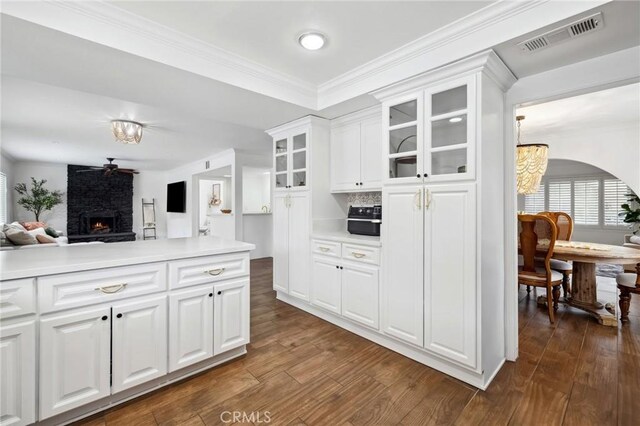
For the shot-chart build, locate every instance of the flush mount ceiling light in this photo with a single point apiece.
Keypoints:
(531, 164)
(125, 131)
(312, 40)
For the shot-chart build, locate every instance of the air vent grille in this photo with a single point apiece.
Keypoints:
(586, 25)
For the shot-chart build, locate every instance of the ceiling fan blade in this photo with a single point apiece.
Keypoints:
(92, 169)
(128, 171)
(107, 172)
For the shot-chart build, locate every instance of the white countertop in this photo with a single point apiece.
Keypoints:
(346, 237)
(71, 258)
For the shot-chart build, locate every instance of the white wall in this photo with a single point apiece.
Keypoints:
(7, 167)
(56, 176)
(150, 185)
(258, 230)
(256, 189)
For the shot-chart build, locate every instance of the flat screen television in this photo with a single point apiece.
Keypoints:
(177, 197)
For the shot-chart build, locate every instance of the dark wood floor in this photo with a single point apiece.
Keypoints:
(302, 370)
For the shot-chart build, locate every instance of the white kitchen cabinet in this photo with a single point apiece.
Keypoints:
(299, 244)
(231, 315)
(403, 291)
(290, 158)
(18, 372)
(280, 214)
(190, 326)
(74, 359)
(355, 152)
(326, 289)
(139, 348)
(450, 272)
(360, 293)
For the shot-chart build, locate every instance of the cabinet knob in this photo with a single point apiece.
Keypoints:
(337, 267)
(426, 175)
(219, 292)
(104, 318)
(418, 175)
(341, 267)
(360, 183)
(119, 316)
(210, 294)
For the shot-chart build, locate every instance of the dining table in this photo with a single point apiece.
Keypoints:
(584, 257)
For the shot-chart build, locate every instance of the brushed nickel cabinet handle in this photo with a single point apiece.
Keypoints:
(324, 249)
(110, 289)
(214, 271)
(357, 255)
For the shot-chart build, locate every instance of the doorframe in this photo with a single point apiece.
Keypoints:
(604, 72)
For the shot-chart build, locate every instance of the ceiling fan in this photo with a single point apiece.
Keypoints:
(109, 169)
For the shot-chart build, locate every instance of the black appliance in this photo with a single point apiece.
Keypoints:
(364, 220)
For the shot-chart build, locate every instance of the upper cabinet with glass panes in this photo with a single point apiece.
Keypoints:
(292, 152)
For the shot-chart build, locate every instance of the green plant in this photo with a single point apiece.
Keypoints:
(631, 211)
(39, 199)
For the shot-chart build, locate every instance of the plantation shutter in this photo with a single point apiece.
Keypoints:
(534, 203)
(560, 196)
(614, 196)
(586, 202)
(4, 209)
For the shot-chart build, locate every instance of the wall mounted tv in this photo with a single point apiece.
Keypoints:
(177, 197)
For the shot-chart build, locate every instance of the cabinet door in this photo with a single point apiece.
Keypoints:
(299, 245)
(450, 272)
(360, 294)
(139, 342)
(345, 158)
(450, 130)
(325, 291)
(190, 327)
(231, 315)
(18, 370)
(402, 285)
(74, 360)
(370, 149)
(280, 214)
(281, 163)
(299, 160)
(403, 139)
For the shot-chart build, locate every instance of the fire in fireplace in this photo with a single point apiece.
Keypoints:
(101, 225)
(99, 222)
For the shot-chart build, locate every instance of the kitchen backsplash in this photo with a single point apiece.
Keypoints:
(364, 198)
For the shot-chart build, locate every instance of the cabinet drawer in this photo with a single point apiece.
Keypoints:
(66, 291)
(326, 248)
(17, 297)
(201, 270)
(363, 254)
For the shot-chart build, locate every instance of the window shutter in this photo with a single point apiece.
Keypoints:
(4, 210)
(586, 202)
(560, 196)
(614, 196)
(534, 203)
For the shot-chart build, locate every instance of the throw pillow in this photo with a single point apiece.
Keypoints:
(17, 225)
(30, 226)
(45, 239)
(51, 232)
(20, 237)
(3, 238)
(635, 239)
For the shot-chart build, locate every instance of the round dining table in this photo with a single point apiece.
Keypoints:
(584, 257)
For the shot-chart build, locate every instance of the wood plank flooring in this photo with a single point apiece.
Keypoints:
(305, 371)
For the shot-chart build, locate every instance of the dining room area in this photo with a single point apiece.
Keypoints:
(579, 253)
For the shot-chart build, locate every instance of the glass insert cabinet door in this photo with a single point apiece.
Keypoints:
(404, 140)
(450, 130)
(290, 161)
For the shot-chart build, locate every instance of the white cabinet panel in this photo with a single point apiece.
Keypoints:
(402, 291)
(74, 360)
(327, 248)
(281, 242)
(205, 269)
(360, 294)
(450, 272)
(370, 149)
(139, 342)
(18, 372)
(231, 315)
(299, 244)
(17, 297)
(326, 283)
(345, 157)
(190, 327)
(359, 253)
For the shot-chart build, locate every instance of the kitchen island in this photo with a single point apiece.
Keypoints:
(83, 328)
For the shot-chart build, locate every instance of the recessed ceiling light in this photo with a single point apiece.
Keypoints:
(455, 120)
(312, 40)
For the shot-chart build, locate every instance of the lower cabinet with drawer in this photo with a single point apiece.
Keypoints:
(347, 285)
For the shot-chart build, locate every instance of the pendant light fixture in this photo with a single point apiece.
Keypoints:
(125, 131)
(531, 163)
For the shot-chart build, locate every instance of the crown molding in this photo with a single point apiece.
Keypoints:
(306, 121)
(111, 26)
(357, 116)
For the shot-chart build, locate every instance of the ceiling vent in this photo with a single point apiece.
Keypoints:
(586, 25)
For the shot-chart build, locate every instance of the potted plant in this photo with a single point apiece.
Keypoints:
(39, 199)
(631, 212)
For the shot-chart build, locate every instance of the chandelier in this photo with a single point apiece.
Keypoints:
(126, 131)
(531, 163)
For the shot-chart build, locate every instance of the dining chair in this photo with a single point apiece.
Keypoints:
(564, 225)
(627, 283)
(537, 236)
